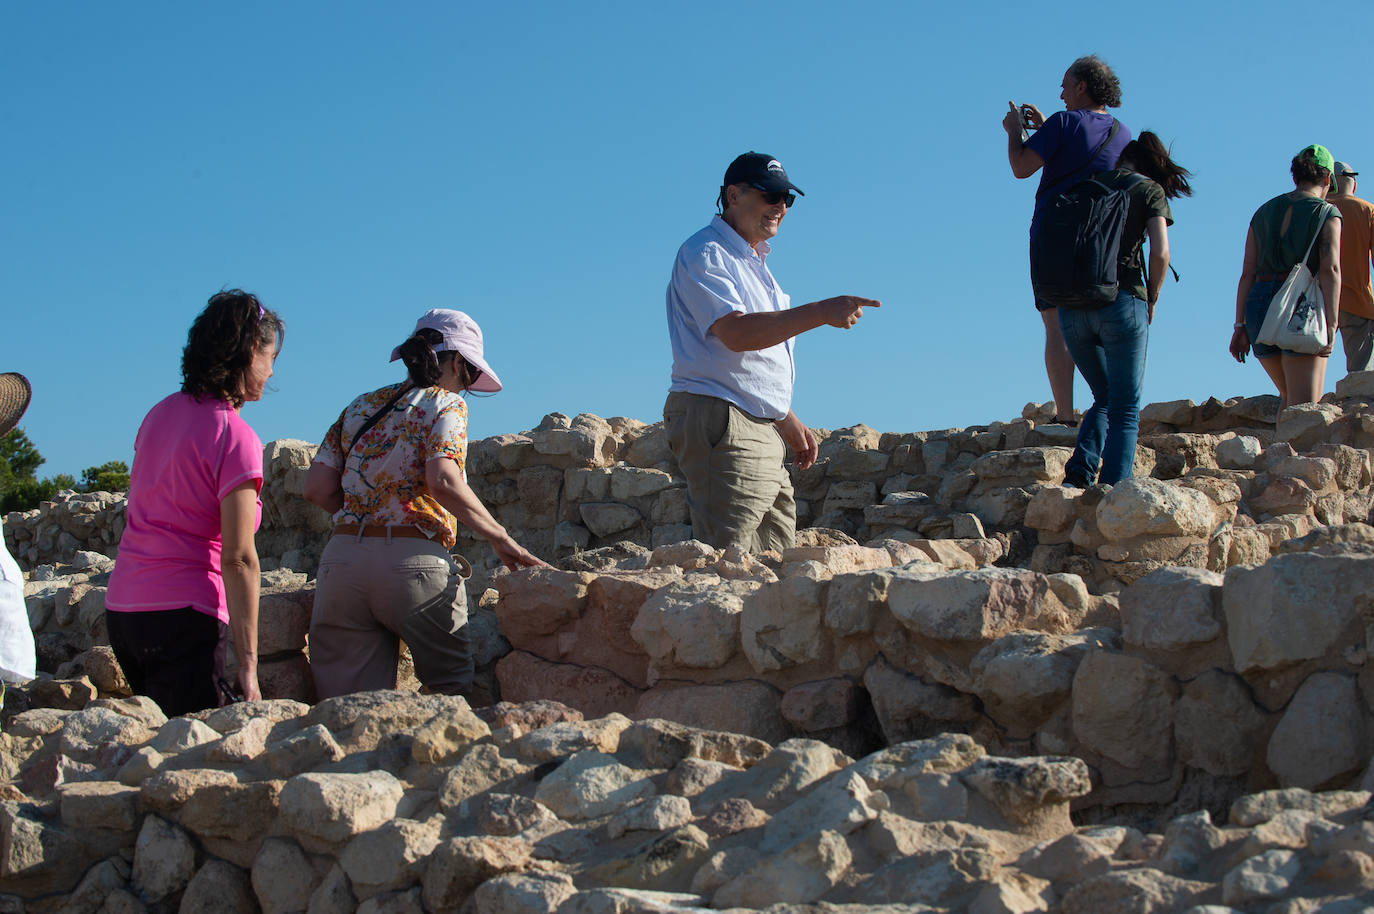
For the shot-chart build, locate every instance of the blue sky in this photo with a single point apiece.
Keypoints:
(538, 164)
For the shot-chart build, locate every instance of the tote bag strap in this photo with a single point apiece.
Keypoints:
(1326, 211)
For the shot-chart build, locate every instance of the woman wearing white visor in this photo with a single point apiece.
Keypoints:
(391, 470)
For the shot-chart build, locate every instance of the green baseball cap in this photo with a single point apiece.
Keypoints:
(1323, 156)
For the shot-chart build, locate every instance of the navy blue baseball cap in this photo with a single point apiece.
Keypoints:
(760, 171)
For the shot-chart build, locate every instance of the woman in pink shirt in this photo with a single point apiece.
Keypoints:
(187, 570)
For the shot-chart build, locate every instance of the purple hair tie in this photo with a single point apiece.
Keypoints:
(262, 312)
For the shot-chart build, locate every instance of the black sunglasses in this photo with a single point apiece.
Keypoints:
(773, 199)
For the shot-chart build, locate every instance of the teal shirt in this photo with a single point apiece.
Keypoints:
(1279, 247)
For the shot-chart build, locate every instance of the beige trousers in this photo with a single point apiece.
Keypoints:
(738, 491)
(373, 592)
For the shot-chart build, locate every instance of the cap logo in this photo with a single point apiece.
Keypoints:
(773, 165)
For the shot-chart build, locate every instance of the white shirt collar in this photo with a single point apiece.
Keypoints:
(735, 240)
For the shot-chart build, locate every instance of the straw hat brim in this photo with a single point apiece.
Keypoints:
(15, 394)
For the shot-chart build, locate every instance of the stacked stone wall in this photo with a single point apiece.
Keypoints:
(574, 485)
(957, 653)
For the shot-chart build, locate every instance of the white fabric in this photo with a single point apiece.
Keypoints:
(717, 272)
(1296, 319)
(17, 660)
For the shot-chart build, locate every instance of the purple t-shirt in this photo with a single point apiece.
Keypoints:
(1065, 141)
(187, 457)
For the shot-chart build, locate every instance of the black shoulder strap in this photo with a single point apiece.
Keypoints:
(377, 417)
(1116, 125)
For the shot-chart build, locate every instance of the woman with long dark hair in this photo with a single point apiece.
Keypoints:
(1109, 344)
(1280, 233)
(187, 570)
(391, 471)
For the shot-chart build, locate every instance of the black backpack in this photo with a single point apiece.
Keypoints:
(1076, 249)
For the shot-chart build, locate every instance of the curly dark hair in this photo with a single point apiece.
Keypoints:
(1103, 86)
(221, 343)
(1147, 155)
(1305, 169)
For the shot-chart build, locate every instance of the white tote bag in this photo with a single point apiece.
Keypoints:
(1296, 319)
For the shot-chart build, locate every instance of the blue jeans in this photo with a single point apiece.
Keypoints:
(1108, 347)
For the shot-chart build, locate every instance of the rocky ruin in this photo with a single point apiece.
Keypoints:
(967, 688)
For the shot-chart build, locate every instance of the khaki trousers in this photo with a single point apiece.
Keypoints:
(738, 491)
(1357, 338)
(373, 592)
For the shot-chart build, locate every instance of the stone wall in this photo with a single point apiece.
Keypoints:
(396, 802)
(1186, 686)
(987, 599)
(573, 485)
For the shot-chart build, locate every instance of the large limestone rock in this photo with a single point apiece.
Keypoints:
(1024, 676)
(1123, 709)
(1321, 737)
(693, 623)
(973, 605)
(1032, 795)
(335, 807)
(1171, 609)
(1217, 726)
(749, 707)
(591, 784)
(780, 625)
(800, 874)
(164, 859)
(1152, 507)
(1295, 607)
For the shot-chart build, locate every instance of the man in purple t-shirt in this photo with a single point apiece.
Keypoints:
(1062, 150)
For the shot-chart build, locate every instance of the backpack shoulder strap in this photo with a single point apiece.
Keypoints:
(1116, 126)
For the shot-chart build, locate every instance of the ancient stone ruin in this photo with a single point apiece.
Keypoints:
(967, 688)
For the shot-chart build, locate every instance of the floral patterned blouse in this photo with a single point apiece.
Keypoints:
(384, 474)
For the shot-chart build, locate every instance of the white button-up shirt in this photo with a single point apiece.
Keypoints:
(717, 272)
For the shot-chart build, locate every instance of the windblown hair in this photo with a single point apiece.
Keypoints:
(425, 366)
(222, 342)
(1305, 169)
(1148, 156)
(1102, 84)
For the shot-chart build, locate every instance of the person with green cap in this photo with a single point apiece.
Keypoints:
(1281, 234)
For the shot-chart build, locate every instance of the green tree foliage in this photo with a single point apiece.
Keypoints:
(18, 457)
(111, 476)
(21, 489)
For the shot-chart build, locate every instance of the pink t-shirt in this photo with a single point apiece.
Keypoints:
(187, 457)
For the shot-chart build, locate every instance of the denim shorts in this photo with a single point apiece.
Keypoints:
(1256, 307)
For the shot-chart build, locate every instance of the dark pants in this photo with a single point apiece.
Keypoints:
(174, 656)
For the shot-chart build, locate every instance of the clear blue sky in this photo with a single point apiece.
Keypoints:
(538, 164)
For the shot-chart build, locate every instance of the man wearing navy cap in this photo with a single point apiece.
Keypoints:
(729, 416)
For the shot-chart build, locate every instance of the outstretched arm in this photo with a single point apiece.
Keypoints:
(446, 484)
(742, 332)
